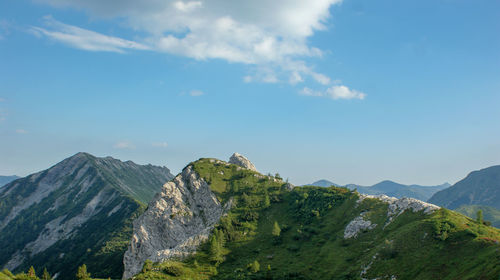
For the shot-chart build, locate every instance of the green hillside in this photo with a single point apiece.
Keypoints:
(274, 233)
(78, 211)
(490, 214)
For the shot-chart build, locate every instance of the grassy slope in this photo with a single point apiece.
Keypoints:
(490, 214)
(444, 245)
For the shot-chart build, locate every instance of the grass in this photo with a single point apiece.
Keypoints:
(443, 245)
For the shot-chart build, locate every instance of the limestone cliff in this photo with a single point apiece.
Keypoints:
(177, 220)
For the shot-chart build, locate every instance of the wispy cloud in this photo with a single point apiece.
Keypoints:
(1, 99)
(271, 37)
(196, 93)
(5, 27)
(160, 144)
(21, 131)
(124, 145)
(84, 39)
(334, 92)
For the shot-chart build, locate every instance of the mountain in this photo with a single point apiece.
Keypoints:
(394, 189)
(323, 183)
(478, 188)
(78, 211)
(391, 188)
(218, 220)
(4, 180)
(489, 213)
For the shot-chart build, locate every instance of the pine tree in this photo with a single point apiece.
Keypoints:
(46, 275)
(32, 273)
(276, 229)
(267, 201)
(82, 273)
(480, 217)
(215, 250)
(255, 266)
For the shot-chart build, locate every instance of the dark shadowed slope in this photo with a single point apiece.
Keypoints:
(478, 188)
(4, 180)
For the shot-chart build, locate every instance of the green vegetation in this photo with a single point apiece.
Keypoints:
(310, 224)
(490, 214)
(273, 233)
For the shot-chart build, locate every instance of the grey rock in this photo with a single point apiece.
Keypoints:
(176, 222)
(357, 225)
(242, 161)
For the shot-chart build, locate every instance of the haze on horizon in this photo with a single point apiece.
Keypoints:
(351, 91)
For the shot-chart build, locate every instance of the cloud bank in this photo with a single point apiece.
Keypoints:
(270, 36)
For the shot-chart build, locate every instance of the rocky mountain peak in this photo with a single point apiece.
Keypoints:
(176, 222)
(242, 161)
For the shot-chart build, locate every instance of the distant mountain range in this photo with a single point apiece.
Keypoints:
(390, 188)
(4, 180)
(78, 211)
(480, 187)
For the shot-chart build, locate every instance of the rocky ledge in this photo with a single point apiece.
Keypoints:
(395, 208)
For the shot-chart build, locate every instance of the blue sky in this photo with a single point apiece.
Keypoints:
(353, 91)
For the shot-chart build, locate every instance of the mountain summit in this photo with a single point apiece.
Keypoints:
(242, 161)
(78, 211)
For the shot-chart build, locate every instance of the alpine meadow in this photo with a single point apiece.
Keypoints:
(239, 140)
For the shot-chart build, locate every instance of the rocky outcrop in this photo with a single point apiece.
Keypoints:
(242, 161)
(395, 208)
(177, 220)
(357, 225)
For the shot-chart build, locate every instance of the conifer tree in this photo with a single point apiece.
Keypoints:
(480, 217)
(255, 266)
(32, 273)
(82, 273)
(215, 249)
(276, 229)
(46, 275)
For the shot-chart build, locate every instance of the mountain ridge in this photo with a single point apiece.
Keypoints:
(480, 187)
(390, 188)
(276, 231)
(80, 209)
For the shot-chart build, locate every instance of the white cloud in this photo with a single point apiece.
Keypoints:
(343, 92)
(260, 33)
(160, 144)
(295, 78)
(334, 92)
(124, 145)
(2, 100)
(196, 93)
(84, 39)
(21, 131)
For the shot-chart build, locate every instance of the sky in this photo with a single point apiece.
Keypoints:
(353, 91)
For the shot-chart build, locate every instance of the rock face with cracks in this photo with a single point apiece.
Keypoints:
(176, 222)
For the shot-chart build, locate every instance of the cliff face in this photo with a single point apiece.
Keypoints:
(177, 220)
(78, 211)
